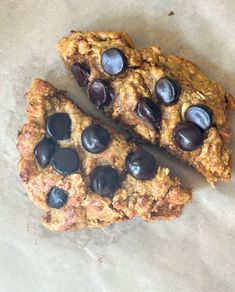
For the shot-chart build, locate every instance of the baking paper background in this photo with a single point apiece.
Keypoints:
(195, 252)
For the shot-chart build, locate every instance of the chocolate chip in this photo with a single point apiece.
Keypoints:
(113, 61)
(65, 161)
(104, 180)
(167, 90)
(44, 150)
(58, 126)
(188, 136)
(141, 164)
(100, 93)
(57, 198)
(199, 114)
(95, 138)
(149, 111)
(81, 72)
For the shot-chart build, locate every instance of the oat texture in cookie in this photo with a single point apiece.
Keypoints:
(163, 99)
(83, 174)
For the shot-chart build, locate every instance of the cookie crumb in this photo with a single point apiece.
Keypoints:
(100, 260)
(171, 13)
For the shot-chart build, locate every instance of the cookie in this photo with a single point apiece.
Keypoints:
(83, 174)
(163, 99)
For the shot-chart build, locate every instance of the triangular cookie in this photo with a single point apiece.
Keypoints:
(85, 175)
(164, 99)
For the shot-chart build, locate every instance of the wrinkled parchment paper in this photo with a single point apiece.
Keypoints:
(195, 252)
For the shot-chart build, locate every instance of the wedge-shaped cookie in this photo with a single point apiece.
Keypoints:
(85, 175)
(164, 99)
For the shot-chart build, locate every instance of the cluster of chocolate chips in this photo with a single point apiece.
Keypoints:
(167, 92)
(63, 160)
(113, 62)
(188, 135)
(104, 180)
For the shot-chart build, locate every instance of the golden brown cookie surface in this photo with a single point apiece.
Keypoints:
(146, 82)
(63, 189)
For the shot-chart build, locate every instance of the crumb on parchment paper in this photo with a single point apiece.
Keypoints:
(171, 13)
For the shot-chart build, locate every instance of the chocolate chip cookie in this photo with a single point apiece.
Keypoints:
(164, 99)
(80, 172)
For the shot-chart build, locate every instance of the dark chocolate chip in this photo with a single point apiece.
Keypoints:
(199, 114)
(167, 90)
(58, 126)
(104, 180)
(65, 161)
(44, 150)
(141, 164)
(188, 136)
(113, 61)
(95, 138)
(100, 93)
(57, 198)
(149, 111)
(81, 72)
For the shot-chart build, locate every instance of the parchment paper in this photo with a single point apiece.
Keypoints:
(195, 252)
